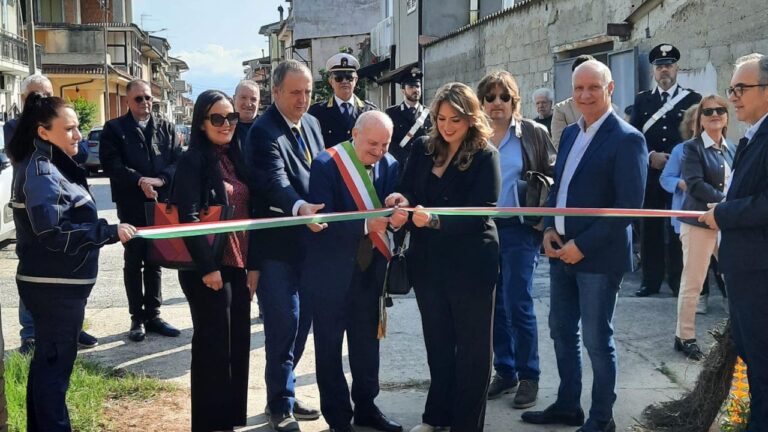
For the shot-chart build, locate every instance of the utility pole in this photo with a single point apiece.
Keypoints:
(105, 6)
(31, 55)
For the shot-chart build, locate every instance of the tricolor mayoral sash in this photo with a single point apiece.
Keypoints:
(360, 187)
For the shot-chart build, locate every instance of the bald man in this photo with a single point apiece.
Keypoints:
(601, 163)
(345, 266)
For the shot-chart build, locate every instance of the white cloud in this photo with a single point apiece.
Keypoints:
(215, 60)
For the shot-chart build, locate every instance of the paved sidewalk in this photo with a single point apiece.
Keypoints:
(650, 371)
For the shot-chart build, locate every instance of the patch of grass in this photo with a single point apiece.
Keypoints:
(90, 387)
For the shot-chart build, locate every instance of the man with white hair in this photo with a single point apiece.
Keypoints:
(601, 163)
(543, 98)
(247, 105)
(353, 175)
(741, 219)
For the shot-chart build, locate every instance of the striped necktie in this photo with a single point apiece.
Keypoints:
(302, 146)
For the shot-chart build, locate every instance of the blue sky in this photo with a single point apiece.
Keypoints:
(214, 38)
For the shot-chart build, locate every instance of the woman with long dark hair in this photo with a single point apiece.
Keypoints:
(454, 260)
(58, 237)
(212, 172)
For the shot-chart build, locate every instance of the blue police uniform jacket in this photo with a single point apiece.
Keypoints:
(58, 232)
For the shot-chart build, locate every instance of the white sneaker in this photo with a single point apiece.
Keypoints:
(703, 306)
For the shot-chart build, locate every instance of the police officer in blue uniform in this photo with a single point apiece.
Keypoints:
(339, 113)
(411, 118)
(657, 114)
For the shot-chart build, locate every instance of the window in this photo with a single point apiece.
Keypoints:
(474, 11)
(50, 11)
(505, 4)
(389, 8)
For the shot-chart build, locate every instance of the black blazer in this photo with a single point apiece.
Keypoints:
(279, 178)
(464, 252)
(127, 153)
(704, 172)
(743, 217)
(199, 182)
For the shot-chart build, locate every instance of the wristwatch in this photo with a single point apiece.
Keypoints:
(434, 221)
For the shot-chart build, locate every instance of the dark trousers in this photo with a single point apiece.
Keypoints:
(588, 299)
(352, 309)
(287, 310)
(220, 349)
(457, 333)
(661, 253)
(515, 333)
(142, 281)
(748, 300)
(58, 311)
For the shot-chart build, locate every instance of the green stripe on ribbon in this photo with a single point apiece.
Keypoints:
(194, 229)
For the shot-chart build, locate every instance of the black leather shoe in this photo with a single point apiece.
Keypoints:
(553, 415)
(159, 326)
(136, 333)
(689, 347)
(377, 420)
(596, 426)
(644, 291)
(344, 428)
(304, 412)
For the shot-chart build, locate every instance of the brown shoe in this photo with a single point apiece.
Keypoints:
(526, 395)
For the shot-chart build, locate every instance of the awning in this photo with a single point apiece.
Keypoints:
(373, 69)
(395, 74)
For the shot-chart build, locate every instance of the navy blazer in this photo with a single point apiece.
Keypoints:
(331, 259)
(279, 176)
(611, 174)
(743, 217)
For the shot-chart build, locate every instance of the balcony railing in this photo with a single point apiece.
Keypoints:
(14, 49)
(382, 37)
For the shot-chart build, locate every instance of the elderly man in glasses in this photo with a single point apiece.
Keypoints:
(139, 152)
(339, 113)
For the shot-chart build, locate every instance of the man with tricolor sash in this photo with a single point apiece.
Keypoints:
(345, 265)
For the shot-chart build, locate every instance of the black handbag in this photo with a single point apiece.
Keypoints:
(396, 279)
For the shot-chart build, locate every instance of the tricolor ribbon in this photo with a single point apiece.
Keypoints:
(205, 228)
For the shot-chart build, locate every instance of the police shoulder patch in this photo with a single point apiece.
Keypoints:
(43, 166)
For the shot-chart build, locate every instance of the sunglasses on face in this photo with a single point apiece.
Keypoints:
(708, 112)
(140, 99)
(343, 77)
(218, 119)
(505, 97)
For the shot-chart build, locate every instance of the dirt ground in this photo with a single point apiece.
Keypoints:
(168, 412)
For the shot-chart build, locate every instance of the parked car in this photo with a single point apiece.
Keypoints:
(7, 227)
(93, 164)
(182, 134)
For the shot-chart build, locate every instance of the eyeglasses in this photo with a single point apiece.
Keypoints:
(738, 89)
(505, 97)
(140, 99)
(708, 112)
(218, 119)
(338, 77)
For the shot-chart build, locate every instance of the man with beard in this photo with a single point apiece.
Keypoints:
(657, 114)
(339, 113)
(247, 105)
(411, 118)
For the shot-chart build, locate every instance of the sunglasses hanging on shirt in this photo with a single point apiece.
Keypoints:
(218, 119)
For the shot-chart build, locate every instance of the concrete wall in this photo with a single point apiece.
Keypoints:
(488, 7)
(406, 34)
(527, 40)
(324, 48)
(442, 17)
(328, 18)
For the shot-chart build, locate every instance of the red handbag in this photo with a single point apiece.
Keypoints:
(172, 253)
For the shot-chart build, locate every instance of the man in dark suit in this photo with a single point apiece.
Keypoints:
(410, 118)
(601, 164)
(742, 219)
(339, 113)
(346, 292)
(280, 148)
(657, 114)
(138, 152)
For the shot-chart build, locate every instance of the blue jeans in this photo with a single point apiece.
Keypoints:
(515, 333)
(591, 299)
(287, 319)
(27, 323)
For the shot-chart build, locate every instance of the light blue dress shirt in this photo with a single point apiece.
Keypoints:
(574, 158)
(670, 177)
(511, 164)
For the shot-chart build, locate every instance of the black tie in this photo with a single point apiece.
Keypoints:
(347, 112)
(664, 96)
